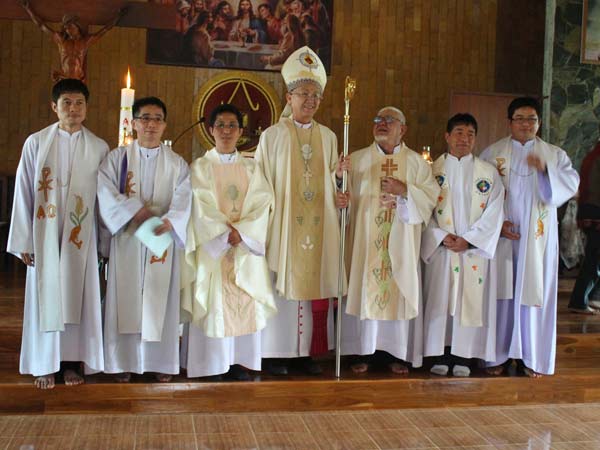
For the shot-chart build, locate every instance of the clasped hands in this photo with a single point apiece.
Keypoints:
(455, 243)
(508, 231)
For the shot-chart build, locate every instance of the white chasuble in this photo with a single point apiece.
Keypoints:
(296, 177)
(471, 269)
(390, 270)
(298, 329)
(61, 263)
(230, 294)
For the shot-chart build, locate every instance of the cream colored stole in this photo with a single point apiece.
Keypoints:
(141, 304)
(306, 236)
(382, 290)
(537, 237)
(472, 268)
(61, 268)
(239, 312)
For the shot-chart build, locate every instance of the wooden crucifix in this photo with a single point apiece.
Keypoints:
(72, 39)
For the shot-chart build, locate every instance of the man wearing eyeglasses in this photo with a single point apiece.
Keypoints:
(538, 178)
(393, 194)
(54, 230)
(145, 180)
(299, 159)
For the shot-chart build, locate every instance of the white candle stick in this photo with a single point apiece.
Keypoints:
(125, 116)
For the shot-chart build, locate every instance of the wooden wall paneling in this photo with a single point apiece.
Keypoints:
(489, 110)
(409, 53)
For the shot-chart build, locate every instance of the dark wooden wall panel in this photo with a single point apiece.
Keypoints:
(407, 53)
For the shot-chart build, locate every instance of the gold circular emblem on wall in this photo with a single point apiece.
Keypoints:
(252, 95)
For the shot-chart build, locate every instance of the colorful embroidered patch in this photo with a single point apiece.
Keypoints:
(440, 199)
(130, 184)
(483, 185)
(500, 166)
(480, 280)
(482, 206)
(161, 260)
(77, 217)
(41, 214)
(440, 179)
(308, 60)
(474, 267)
(457, 269)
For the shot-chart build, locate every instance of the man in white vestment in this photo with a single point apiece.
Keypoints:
(459, 287)
(538, 178)
(55, 232)
(299, 158)
(145, 180)
(227, 286)
(392, 195)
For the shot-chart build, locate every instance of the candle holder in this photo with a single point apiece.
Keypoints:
(426, 154)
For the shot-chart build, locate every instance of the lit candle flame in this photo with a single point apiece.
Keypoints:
(128, 79)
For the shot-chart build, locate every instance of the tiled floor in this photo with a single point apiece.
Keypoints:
(544, 427)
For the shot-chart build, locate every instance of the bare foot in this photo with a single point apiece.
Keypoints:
(163, 377)
(399, 369)
(494, 371)
(44, 382)
(72, 378)
(532, 373)
(124, 377)
(360, 367)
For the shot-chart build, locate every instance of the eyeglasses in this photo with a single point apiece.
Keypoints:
(222, 125)
(528, 120)
(306, 95)
(147, 119)
(387, 119)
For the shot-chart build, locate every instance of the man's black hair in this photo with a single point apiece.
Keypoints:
(461, 119)
(226, 108)
(145, 101)
(524, 102)
(69, 85)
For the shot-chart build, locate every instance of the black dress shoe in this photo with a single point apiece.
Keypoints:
(277, 368)
(311, 367)
(238, 373)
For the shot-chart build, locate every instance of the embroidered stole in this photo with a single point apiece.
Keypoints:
(239, 312)
(141, 303)
(471, 268)
(61, 266)
(537, 237)
(382, 290)
(307, 202)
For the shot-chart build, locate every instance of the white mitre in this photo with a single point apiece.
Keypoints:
(301, 66)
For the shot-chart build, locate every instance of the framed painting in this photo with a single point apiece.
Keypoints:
(241, 34)
(590, 32)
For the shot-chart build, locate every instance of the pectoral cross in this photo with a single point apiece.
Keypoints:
(389, 167)
(307, 175)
